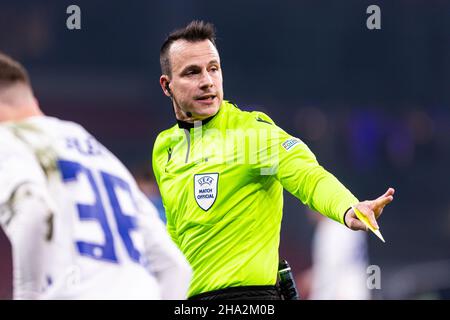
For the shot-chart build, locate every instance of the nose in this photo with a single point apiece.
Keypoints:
(206, 81)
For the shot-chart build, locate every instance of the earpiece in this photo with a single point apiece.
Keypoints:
(168, 89)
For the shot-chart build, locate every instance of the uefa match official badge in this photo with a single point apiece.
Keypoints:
(205, 189)
(290, 143)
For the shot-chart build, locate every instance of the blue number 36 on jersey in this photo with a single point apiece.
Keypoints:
(95, 211)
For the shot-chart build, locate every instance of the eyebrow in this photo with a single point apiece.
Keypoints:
(194, 66)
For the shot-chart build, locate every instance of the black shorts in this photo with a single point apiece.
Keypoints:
(240, 293)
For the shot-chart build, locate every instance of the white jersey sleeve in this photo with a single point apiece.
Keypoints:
(17, 165)
(25, 213)
(165, 260)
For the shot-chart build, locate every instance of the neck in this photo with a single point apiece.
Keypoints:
(30, 112)
(18, 103)
(182, 116)
(18, 113)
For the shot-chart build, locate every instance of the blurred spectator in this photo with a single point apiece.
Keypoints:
(339, 263)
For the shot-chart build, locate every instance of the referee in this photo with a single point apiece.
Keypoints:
(221, 173)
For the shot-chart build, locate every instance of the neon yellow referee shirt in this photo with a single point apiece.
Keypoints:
(221, 183)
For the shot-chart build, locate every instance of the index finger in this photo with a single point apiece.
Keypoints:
(389, 192)
(382, 202)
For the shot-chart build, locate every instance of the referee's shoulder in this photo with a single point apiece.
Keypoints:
(251, 118)
(165, 136)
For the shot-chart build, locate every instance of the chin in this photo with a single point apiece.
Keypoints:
(207, 112)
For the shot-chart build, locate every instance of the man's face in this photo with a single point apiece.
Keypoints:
(196, 81)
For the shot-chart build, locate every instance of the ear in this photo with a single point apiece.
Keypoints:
(164, 81)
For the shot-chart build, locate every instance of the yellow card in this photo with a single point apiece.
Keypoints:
(365, 220)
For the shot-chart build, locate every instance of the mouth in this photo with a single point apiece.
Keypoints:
(206, 98)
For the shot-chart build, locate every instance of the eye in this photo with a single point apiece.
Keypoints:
(190, 72)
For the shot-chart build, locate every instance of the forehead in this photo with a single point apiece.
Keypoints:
(183, 53)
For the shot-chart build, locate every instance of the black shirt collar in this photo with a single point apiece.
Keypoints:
(189, 125)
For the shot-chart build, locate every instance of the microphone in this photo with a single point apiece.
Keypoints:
(189, 114)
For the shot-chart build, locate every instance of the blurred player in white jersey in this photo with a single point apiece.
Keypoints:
(339, 263)
(78, 225)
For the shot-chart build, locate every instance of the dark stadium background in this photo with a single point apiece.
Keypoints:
(374, 106)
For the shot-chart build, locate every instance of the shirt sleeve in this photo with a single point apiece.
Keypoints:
(293, 164)
(18, 165)
(157, 165)
(26, 216)
(157, 155)
(165, 260)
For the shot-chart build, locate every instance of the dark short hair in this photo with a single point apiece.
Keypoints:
(11, 71)
(195, 31)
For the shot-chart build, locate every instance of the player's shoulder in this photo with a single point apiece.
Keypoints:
(56, 126)
(41, 130)
(10, 143)
(18, 163)
(5, 134)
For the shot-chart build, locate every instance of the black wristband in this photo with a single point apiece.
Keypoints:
(346, 211)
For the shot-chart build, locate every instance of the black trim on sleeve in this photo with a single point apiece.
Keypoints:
(346, 211)
(259, 119)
